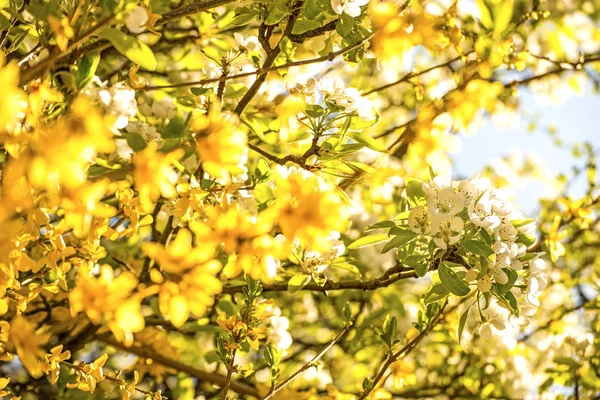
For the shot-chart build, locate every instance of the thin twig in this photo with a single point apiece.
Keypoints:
(308, 364)
(145, 352)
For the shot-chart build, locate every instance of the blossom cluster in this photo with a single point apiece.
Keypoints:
(478, 223)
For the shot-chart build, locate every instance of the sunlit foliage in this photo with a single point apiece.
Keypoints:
(218, 199)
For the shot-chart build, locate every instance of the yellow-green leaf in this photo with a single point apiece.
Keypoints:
(132, 48)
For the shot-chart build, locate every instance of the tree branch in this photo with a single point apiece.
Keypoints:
(328, 57)
(271, 57)
(384, 281)
(238, 387)
(301, 37)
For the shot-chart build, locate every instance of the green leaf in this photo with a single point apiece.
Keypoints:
(199, 91)
(174, 129)
(132, 48)
(369, 241)
(502, 17)
(135, 141)
(452, 282)
(346, 267)
(511, 301)
(314, 110)
(380, 225)
(344, 25)
(275, 16)
(421, 270)
(389, 330)
(525, 239)
(512, 278)
(403, 231)
(235, 90)
(486, 16)
(367, 140)
(414, 192)
(461, 323)
(479, 248)
(297, 282)
(304, 25)
(436, 293)
(86, 69)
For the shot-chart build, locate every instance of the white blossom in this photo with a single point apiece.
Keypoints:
(419, 220)
(446, 230)
(164, 109)
(136, 20)
(481, 214)
(350, 7)
(250, 43)
(303, 85)
(446, 202)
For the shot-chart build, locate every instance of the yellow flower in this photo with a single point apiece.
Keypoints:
(466, 104)
(108, 299)
(89, 375)
(51, 365)
(3, 383)
(308, 208)
(64, 151)
(12, 99)
(554, 238)
(131, 207)
(62, 31)
(258, 258)
(193, 293)
(576, 210)
(179, 255)
(83, 204)
(399, 32)
(130, 387)
(221, 147)
(403, 373)
(29, 344)
(154, 175)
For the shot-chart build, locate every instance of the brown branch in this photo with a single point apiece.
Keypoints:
(120, 382)
(414, 74)
(385, 280)
(194, 8)
(328, 57)
(33, 72)
(238, 387)
(301, 37)
(271, 57)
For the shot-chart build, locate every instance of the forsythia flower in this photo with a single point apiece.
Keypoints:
(557, 249)
(3, 383)
(51, 365)
(308, 208)
(400, 32)
(64, 152)
(179, 255)
(154, 175)
(221, 147)
(28, 344)
(89, 375)
(62, 31)
(11, 101)
(466, 104)
(193, 293)
(108, 299)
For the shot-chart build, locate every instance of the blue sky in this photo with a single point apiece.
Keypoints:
(576, 121)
